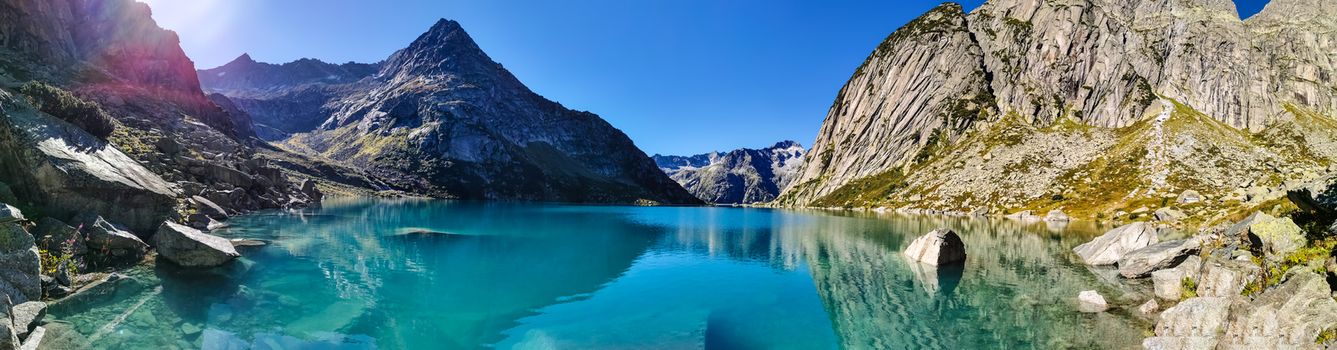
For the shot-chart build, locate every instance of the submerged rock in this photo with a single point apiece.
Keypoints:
(939, 247)
(1142, 262)
(1090, 301)
(1149, 307)
(1111, 246)
(189, 247)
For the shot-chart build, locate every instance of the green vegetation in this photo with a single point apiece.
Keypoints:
(1274, 272)
(937, 141)
(866, 190)
(62, 104)
(1326, 336)
(53, 261)
(1188, 288)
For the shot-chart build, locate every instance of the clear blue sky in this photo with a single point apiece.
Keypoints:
(679, 77)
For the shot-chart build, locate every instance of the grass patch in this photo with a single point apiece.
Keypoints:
(1188, 288)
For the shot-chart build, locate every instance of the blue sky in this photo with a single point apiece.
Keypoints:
(679, 77)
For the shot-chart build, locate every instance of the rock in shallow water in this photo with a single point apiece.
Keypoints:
(189, 247)
(1091, 302)
(939, 247)
(1142, 262)
(1111, 246)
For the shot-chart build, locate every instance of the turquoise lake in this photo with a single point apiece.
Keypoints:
(420, 274)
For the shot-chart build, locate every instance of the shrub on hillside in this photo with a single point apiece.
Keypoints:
(64, 105)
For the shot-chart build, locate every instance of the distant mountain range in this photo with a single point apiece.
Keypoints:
(440, 117)
(740, 176)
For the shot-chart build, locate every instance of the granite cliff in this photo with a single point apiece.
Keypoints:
(1100, 107)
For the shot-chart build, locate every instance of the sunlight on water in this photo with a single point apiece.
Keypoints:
(363, 274)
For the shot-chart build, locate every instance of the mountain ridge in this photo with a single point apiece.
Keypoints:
(741, 176)
(441, 117)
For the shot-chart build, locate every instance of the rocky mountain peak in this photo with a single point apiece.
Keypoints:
(445, 49)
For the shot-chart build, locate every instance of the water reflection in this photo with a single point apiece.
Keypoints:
(430, 274)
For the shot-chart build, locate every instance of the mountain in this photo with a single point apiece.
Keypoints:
(440, 117)
(740, 176)
(1095, 106)
(101, 111)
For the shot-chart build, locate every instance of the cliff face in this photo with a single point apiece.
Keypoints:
(441, 117)
(1111, 65)
(740, 176)
(168, 141)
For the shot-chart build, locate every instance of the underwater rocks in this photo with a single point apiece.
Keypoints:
(189, 247)
(1089, 301)
(939, 247)
(1110, 247)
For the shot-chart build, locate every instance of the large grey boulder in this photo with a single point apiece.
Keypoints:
(110, 243)
(1111, 246)
(1279, 237)
(65, 171)
(209, 208)
(1169, 215)
(939, 247)
(1169, 283)
(20, 266)
(1226, 278)
(1057, 216)
(1189, 197)
(189, 247)
(1195, 323)
(27, 316)
(1142, 262)
(9, 213)
(1289, 316)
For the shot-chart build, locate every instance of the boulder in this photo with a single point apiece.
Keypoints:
(64, 171)
(9, 213)
(27, 316)
(189, 247)
(1090, 301)
(1111, 246)
(54, 236)
(1149, 307)
(1226, 278)
(1289, 316)
(110, 243)
(1057, 216)
(1169, 283)
(309, 188)
(1169, 215)
(938, 247)
(208, 207)
(1279, 237)
(34, 339)
(1142, 262)
(20, 265)
(1194, 323)
(1188, 197)
(1240, 230)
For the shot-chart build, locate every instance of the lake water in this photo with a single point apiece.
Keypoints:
(418, 274)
